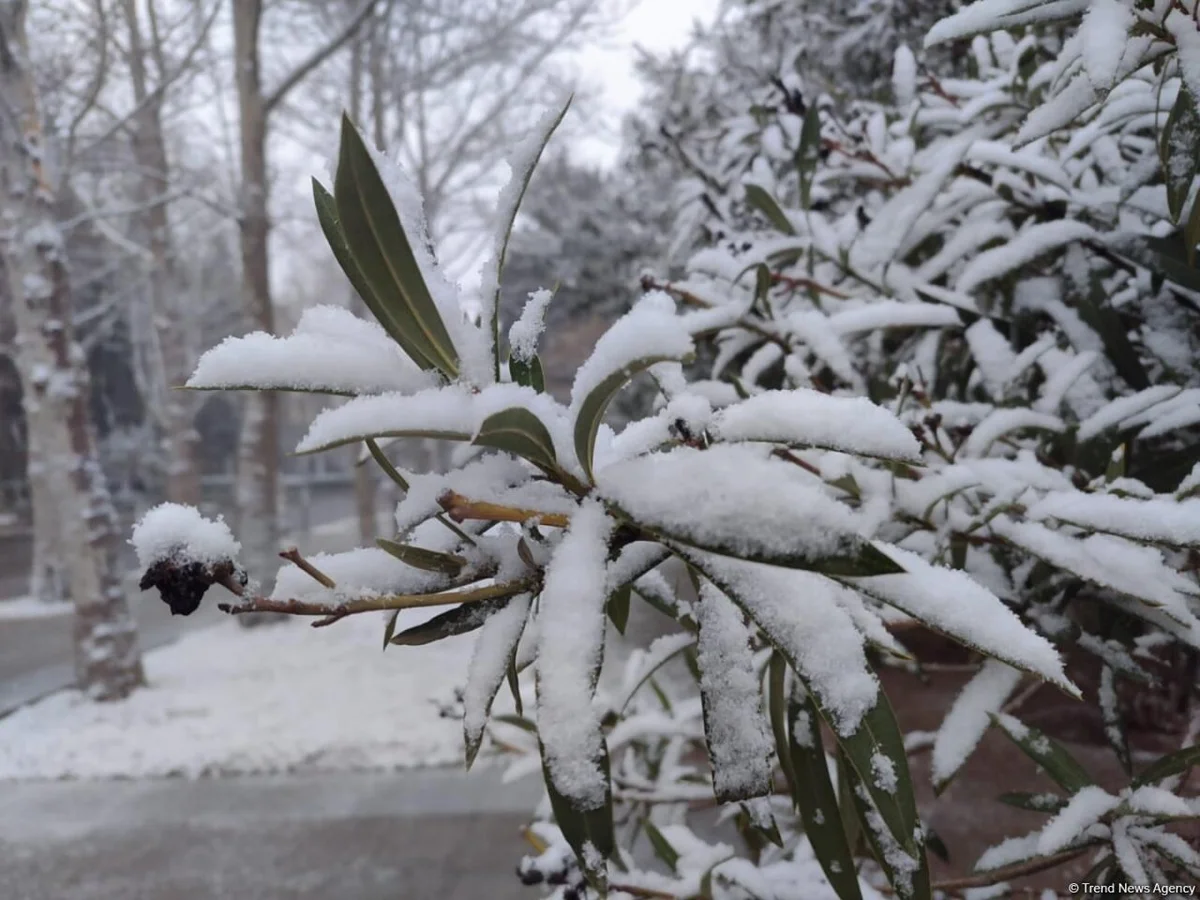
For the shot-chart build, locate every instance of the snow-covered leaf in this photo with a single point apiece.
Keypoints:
(648, 334)
(951, 602)
(495, 649)
(732, 500)
(810, 418)
(1060, 765)
(420, 558)
(816, 799)
(462, 619)
(969, 718)
(375, 238)
(519, 431)
(734, 724)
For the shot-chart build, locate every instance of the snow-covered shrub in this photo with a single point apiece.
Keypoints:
(1006, 262)
(550, 522)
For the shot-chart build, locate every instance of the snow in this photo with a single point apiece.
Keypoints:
(229, 700)
(739, 740)
(651, 330)
(1117, 411)
(494, 650)
(810, 418)
(970, 716)
(175, 531)
(446, 411)
(330, 350)
(951, 602)
(1005, 421)
(570, 646)
(20, 608)
(904, 76)
(524, 333)
(1103, 37)
(1174, 522)
(1105, 560)
(1028, 245)
(729, 497)
(817, 636)
(1087, 807)
(364, 571)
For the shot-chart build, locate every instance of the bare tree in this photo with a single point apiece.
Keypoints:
(54, 378)
(257, 500)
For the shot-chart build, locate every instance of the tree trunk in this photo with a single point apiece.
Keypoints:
(54, 382)
(47, 580)
(365, 482)
(175, 412)
(256, 501)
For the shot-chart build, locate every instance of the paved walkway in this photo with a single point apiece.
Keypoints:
(423, 835)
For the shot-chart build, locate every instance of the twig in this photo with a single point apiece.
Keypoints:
(331, 614)
(1004, 873)
(293, 556)
(806, 284)
(459, 508)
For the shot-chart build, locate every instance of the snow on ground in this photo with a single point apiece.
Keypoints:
(231, 700)
(32, 608)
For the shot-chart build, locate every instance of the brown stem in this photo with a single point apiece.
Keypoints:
(331, 614)
(806, 284)
(293, 556)
(459, 508)
(1005, 873)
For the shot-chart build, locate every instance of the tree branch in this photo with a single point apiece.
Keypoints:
(459, 508)
(332, 613)
(322, 53)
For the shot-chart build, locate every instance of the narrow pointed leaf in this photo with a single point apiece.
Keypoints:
(1167, 766)
(1060, 765)
(494, 657)
(761, 200)
(395, 325)
(591, 411)
(376, 240)
(519, 431)
(1050, 804)
(528, 373)
(777, 710)
(817, 800)
(420, 558)
(459, 620)
(618, 607)
(907, 874)
(511, 204)
(662, 847)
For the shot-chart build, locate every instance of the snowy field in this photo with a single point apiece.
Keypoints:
(31, 608)
(230, 700)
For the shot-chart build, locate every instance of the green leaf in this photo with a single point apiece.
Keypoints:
(808, 154)
(1179, 150)
(390, 629)
(662, 847)
(1107, 324)
(519, 431)
(1168, 766)
(777, 708)
(386, 464)
(458, 620)
(760, 199)
(909, 884)
(581, 827)
(816, 799)
(1163, 256)
(517, 721)
(509, 217)
(393, 323)
(1114, 723)
(1050, 804)
(618, 607)
(591, 411)
(514, 687)
(528, 373)
(420, 558)
(1060, 765)
(876, 738)
(381, 250)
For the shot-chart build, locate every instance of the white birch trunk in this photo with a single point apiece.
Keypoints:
(54, 382)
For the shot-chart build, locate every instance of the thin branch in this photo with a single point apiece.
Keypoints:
(332, 613)
(459, 508)
(1007, 873)
(322, 53)
(293, 556)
